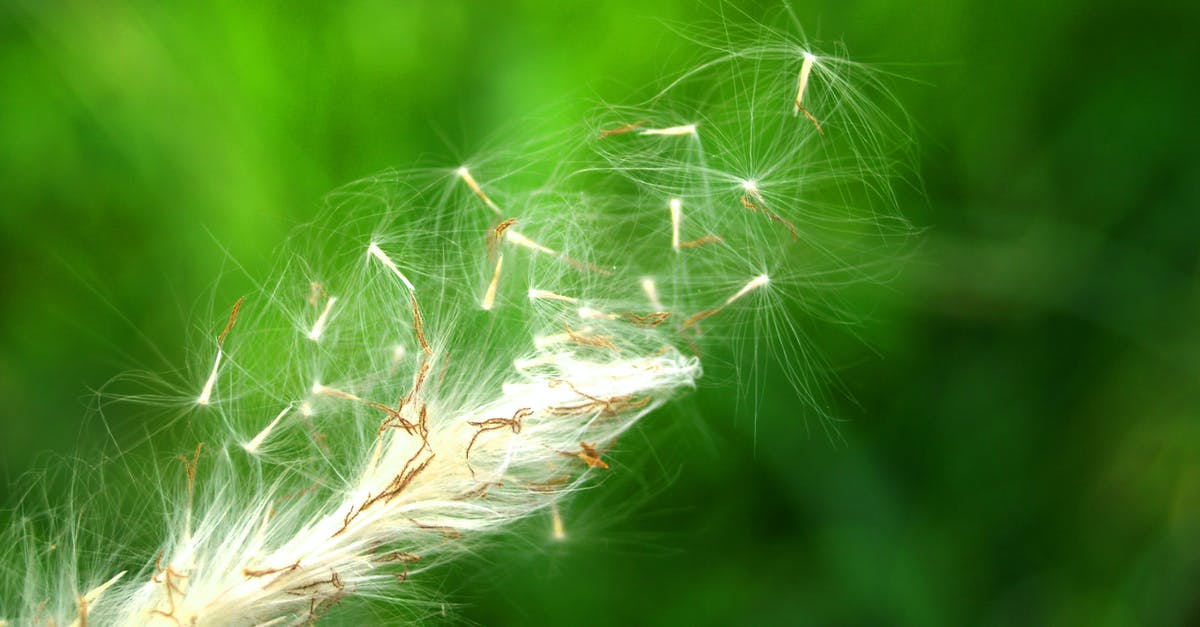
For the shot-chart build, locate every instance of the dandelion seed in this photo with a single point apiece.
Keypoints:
(233, 315)
(377, 252)
(465, 174)
(497, 234)
(651, 291)
(499, 230)
(583, 266)
(648, 321)
(751, 188)
(588, 313)
(211, 382)
(489, 296)
(676, 217)
(583, 339)
(318, 327)
(805, 71)
(672, 131)
(419, 327)
(520, 240)
(316, 293)
(252, 446)
(621, 130)
(190, 469)
(559, 533)
(590, 456)
(543, 341)
(750, 286)
(536, 294)
(707, 239)
(323, 390)
(88, 600)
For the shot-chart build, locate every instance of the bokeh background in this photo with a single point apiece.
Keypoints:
(1021, 420)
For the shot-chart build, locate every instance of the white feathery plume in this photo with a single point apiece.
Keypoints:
(469, 374)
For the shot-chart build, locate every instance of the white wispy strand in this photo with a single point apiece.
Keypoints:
(211, 381)
(318, 327)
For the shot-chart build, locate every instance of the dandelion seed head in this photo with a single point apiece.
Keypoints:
(382, 431)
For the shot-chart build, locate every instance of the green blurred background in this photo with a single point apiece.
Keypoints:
(1022, 429)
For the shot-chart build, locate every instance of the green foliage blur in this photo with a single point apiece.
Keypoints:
(1020, 440)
